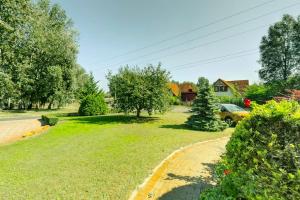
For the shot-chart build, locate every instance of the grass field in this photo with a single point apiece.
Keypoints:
(92, 157)
(8, 114)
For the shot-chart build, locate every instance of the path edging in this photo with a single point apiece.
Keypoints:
(163, 164)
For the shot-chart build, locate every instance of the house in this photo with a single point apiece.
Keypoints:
(230, 88)
(290, 95)
(174, 89)
(188, 92)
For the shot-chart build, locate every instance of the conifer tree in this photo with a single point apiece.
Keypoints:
(205, 109)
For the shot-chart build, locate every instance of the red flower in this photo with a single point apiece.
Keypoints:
(226, 172)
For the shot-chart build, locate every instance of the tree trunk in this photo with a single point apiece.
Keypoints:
(138, 112)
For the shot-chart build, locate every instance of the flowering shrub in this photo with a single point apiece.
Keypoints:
(262, 160)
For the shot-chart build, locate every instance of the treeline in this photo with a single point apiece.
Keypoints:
(38, 50)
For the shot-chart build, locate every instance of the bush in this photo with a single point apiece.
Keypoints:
(233, 100)
(175, 100)
(93, 104)
(262, 156)
(49, 120)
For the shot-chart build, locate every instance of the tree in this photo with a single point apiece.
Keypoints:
(205, 109)
(280, 51)
(6, 90)
(136, 89)
(38, 45)
(260, 93)
(92, 101)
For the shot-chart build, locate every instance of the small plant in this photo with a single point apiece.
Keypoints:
(49, 120)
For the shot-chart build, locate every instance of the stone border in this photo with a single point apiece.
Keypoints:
(159, 169)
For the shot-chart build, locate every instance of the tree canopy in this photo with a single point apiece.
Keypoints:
(280, 51)
(37, 54)
(136, 89)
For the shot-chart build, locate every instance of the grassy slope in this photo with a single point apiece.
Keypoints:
(92, 157)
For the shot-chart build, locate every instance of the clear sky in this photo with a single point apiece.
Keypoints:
(109, 28)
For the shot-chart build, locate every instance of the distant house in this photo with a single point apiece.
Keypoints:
(174, 88)
(230, 88)
(188, 92)
(290, 95)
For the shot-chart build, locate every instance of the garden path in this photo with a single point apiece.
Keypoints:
(184, 174)
(11, 130)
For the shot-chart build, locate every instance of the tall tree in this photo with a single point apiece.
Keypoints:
(280, 54)
(205, 109)
(137, 89)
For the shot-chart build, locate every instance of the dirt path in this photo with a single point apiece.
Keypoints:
(184, 174)
(15, 129)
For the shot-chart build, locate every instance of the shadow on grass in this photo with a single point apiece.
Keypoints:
(114, 119)
(176, 126)
(193, 187)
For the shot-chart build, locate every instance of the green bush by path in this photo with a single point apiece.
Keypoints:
(262, 157)
(93, 104)
(50, 120)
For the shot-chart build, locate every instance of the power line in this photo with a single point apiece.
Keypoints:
(218, 60)
(209, 34)
(190, 31)
(206, 44)
(215, 58)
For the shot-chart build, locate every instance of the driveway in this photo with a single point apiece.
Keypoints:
(13, 129)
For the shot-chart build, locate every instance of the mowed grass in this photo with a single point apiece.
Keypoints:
(93, 157)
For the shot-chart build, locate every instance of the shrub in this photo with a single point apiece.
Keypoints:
(233, 100)
(263, 155)
(93, 104)
(49, 120)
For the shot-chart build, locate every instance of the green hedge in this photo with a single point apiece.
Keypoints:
(50, 120)
(233, 100)
(262, 159)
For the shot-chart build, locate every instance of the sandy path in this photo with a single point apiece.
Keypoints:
(15, 129)
(184, 174)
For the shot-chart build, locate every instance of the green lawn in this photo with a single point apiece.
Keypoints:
(5, 114)
(92, 157)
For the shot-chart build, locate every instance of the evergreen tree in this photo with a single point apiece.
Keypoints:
(205, 109)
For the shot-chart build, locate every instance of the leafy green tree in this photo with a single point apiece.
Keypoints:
(205, 109)
(38, 44)
(260, 93)
(6, 90)
(136, 89)
(280, 54)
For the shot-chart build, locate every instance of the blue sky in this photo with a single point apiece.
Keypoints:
(109, 28)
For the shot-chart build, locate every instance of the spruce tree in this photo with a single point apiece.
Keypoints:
(205, 109)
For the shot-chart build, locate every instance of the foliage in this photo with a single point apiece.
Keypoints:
(93, 104)
(175, 100)
(263, 155)
(232, 100)
(205, 109)
(260, 93)
(280, 54)
(136, 89)
(50, 120)
(38, 53)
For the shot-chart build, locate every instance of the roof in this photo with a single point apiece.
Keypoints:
(174, 89)
(187, 88)
(239, 85)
